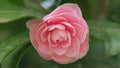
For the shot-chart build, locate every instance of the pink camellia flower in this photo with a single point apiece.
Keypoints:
(62, 35)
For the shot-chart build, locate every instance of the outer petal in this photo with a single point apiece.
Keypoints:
(59, 50)
(44, 47)
(32, 36)
(62, 9)
(83, 48)
(45, 56)
(83, 23)
(32, 23)
(73, 49)
(81, 32)
(61, 58)
(35, 43)
(75, 7)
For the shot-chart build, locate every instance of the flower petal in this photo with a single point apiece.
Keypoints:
(75, 7)
(61, 58)
(81, 32)
(33, 32)
(61, 9)
(67, 43)
(57, 26)
(59, 50)
(44, 47)
(84, 47)
(51, 42)
(54, 20)
(32, 23)
(73, 49)
(45, 56)
(70, 28)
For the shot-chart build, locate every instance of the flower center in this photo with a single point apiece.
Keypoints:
(58, 35)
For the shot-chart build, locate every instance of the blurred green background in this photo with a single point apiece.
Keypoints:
(102, 16)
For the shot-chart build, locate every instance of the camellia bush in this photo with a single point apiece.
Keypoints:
(59, 33)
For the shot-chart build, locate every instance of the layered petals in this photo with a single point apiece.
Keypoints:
(62, 35)
(73, 49)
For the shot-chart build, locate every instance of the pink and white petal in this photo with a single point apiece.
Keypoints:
(44, 33)
(33, 32)
(83, 23)
(57, 26)
(67, 42)
(45, 56)
(61, 9)
(58, 35)
(73, 49)
(59, 50)
(84, 47)
(51, 43)
(75, 7)
(44, 47)
(54, 20)
(81, 32)
(54, 35)
(70, 17)
(62, 59)
(70, 28)
(36, 44)
(62, 33)
(33, 22)
(32, 37)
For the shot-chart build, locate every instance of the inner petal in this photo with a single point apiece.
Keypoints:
(67, 42)
(51, 43)
(44, 32)
(57, 26)
(70, 28)
(58, 35)
(54, 20)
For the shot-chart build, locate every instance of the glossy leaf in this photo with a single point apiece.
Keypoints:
(96, 48)
(114, 44)
(108, 32)
(14, 58)
(14, 9)
(9, 45)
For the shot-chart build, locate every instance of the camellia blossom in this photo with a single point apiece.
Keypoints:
(62, 35)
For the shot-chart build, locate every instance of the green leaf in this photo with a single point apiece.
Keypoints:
(109, 32)
(96, 48)
(14, 9)
(114, 46)
(99, 29)
(14, 58)
(9, 45)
